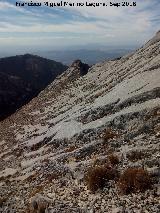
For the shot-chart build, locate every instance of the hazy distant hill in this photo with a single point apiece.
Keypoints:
(22, 77)
(91, 56)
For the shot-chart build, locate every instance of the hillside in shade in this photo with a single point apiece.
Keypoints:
(87, 143)
(22, 78)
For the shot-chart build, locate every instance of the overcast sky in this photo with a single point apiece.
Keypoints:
(44, 27)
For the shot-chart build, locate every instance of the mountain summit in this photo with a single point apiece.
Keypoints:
(83, 68)
(87, 143)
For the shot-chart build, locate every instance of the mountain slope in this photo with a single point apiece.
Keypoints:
(76, 122)
(22, 78)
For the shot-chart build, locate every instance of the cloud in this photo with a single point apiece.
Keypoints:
(6, 5)
(101, 25)
(77, 27)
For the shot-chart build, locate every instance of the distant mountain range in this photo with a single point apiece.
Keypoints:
(22, 78)
(89, 56)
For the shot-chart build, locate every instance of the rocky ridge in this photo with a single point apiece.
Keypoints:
(49, 145)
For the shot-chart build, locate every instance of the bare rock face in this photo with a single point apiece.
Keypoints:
(108, 118)
(76, 70)
(81, 67)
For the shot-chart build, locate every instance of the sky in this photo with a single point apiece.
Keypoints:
(47, 28)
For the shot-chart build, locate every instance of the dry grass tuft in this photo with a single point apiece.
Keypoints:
(53, 176)
(133, 180)
(136, 155)
(114, 160)
(109, 134)
(70, 149)
(97, 177)
(36, 190)
(2, 201)
(38, 206)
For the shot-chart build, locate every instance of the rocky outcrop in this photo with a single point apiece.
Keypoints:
(81, 68)
(76, 70)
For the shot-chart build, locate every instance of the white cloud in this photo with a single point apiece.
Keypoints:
(77, 27)
(126, 24)
(6, 6)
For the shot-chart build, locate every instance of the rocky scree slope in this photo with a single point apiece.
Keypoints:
(77, 122)
(22, 78)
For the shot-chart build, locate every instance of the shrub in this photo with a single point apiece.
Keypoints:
(113, 159)
(42, 209)
(109, 134)
(133, 180)
(136, 155)
(98, 176)
(2, 201)
(36, 190)
(157, 131)
(53, 176)
(38, 204)
(70, 149)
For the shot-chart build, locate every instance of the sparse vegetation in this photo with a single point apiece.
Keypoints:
(2, 201)
(38, 207)
(36, 190)
(18, 152)
(70, 149)
(41, 209)
(5, 178)
(53, 176)
(133, 180)
(98, 176)
(40, 144)
(113, 159)
(32, 177)
(109, 134)
(157, 131)
(136, 155)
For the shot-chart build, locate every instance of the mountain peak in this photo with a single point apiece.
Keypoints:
(81, 67)
(77, 62)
